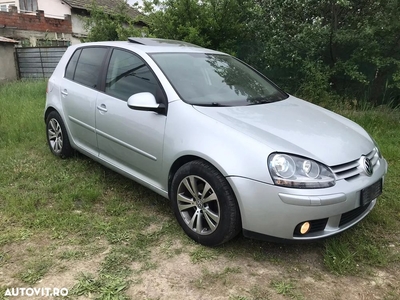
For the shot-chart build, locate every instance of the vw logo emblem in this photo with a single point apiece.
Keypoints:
(367, 166)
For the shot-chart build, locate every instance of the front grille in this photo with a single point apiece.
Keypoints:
(353, 169)
(353, 214)
(316, 225)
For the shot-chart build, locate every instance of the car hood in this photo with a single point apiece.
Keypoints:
(298, 127)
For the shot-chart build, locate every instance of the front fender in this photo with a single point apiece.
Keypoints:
(191, 133)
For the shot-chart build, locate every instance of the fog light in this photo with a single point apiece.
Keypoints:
(305, 227)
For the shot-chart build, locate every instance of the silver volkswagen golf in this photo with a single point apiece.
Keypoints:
(231, 150)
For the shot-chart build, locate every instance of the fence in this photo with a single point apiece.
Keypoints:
(38, 62)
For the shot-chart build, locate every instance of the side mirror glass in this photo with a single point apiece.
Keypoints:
(145, 101)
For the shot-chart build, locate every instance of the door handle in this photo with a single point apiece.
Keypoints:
(102, 107)
(64, 92)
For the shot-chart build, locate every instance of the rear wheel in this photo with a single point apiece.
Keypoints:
(204, 204)
(57, 137)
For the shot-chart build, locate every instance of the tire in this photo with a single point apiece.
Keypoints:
(211, 215)
(57, 137)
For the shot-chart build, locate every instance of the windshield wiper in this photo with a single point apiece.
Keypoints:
(263, 100)
(216, 104)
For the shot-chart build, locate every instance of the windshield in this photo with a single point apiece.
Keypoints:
(216, 80)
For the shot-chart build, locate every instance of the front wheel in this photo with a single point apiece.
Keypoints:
(204, 204)
(57, 137)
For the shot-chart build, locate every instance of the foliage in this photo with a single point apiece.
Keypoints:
(319, 48)
(105, 25)
(314, 48)
(217, 24)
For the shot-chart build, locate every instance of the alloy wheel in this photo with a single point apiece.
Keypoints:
(55, 136)
(198, 205)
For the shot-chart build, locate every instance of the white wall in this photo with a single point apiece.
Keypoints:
(7, 2)
(54, 8)
(78, 29)
(78, 25)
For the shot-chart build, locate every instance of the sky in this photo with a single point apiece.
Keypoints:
(133, 1)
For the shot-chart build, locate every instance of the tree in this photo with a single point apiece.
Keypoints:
(105, 25)
(217, 24)
(320, 49)
(324, 47)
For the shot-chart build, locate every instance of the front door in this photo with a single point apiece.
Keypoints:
(129, 139)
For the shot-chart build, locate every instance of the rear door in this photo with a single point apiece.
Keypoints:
(129, 139)
(79, 90)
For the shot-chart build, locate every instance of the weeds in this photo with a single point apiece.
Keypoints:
(75, 204)
(286, 288)
(35, 271)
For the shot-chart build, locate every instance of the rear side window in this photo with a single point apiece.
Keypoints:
(88, 66)
(70, 71)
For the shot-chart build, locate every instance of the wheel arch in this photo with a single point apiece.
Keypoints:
(184, 159)
(179, 162)
(48, 111)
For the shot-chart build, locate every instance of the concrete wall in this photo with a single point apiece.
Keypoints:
(8, 69)
(33, 36)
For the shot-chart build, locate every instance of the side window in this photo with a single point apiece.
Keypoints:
(128, 74)
(89, 66)
(70, 70)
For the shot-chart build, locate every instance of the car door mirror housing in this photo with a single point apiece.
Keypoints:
(145, 101)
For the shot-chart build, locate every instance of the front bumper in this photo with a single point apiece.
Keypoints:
(273, 211)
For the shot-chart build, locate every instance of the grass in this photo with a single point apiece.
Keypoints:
(105, 287)
(54, 213)
(208, 277)
(286, 288)
(69, 202)
(367, 244)
(35, 271)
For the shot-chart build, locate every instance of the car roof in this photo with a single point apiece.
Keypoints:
(153, 45)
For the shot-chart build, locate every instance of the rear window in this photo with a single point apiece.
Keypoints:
(85, 66)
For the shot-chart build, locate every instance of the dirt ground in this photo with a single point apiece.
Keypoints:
(175, 275)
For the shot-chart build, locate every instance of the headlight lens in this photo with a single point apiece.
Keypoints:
(376, 147)
(283, 165)
(298, 172)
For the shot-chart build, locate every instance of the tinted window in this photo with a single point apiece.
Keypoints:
(128, 74)
(89, 66)
(69, 72)
(214, 79)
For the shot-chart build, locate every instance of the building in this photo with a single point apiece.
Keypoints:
(50, 22)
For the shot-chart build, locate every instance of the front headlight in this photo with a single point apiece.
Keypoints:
(298, 172)
(376, 146)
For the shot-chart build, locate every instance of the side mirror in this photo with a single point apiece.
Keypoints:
(145, 101)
